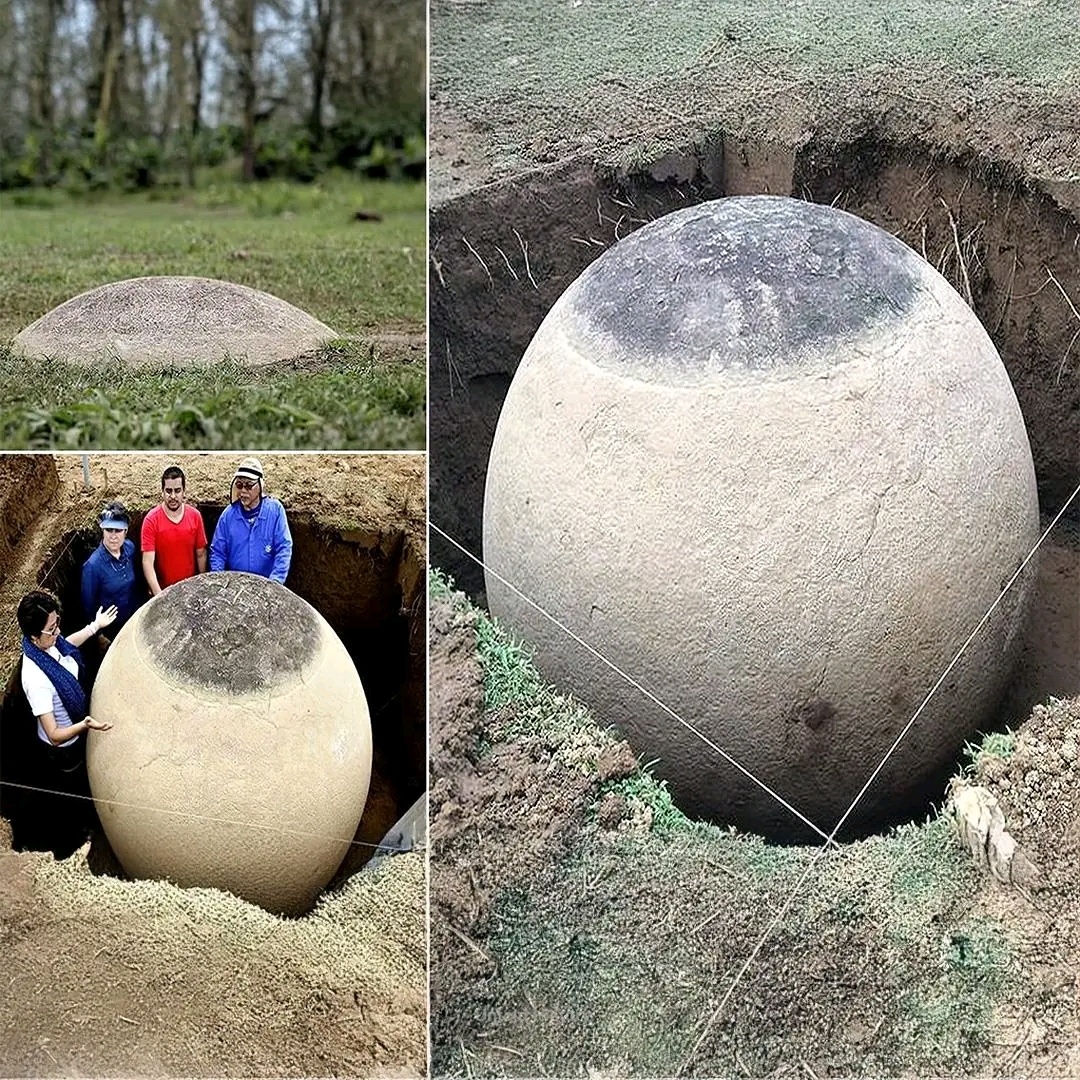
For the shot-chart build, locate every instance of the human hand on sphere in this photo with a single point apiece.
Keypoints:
(106, 616)
(97, 725)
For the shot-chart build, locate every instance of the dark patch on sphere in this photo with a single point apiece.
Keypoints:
(755, 282)
(230, 632)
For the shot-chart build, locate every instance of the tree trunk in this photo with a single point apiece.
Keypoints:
(197, 43)
(321, 28)
(112, 51)
(246, 56)
(42, 104)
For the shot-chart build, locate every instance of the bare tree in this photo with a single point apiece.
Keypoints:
(380, 55)
(239, 19)
(198, 43)
(111, 16)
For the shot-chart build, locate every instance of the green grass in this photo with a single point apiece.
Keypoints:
(535, 51)
(298, 242)
(358, 402)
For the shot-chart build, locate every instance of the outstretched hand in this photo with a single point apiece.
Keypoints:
(97, 725)
(106, 616)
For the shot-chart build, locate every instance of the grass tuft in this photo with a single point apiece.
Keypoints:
(357, 402)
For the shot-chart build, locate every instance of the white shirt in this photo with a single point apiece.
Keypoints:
(42, 694)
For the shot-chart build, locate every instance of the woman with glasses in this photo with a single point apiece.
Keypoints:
(109, 577)
(51, 672)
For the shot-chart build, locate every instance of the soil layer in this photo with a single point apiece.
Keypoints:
(581, 926)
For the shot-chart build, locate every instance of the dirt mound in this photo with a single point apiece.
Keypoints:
(173, 321)
(528, 807)
(144, 978)
(1033, 774)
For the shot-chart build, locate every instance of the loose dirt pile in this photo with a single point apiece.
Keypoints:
(104, 977)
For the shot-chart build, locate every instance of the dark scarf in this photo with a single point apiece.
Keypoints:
(66, 685)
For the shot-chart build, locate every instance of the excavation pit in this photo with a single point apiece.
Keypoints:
(363, 583)
(504, 253)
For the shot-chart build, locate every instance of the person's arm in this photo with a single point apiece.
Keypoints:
(104, 617)
(282, 547)
(39, 694)
(58, 735)
(150, 573)
(149, 544)
(219, 546)
(200, 544)
(88, 589)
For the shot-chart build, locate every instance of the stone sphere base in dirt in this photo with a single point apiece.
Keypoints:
(239, 717)
(766, 460)
(173, 320)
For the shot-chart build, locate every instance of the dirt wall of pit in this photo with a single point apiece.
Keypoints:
(27, 482)
(502, 254)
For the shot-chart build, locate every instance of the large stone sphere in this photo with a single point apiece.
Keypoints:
(239, 718)
(173, 321)
(768, 462)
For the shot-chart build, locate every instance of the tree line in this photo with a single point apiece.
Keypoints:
(101, 93)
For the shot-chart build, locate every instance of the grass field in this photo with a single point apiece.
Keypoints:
(365, 279)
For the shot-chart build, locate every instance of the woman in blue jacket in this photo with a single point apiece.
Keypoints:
(109, 576)
(252, 533)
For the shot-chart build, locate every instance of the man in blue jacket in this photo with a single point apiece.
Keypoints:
(252, 533)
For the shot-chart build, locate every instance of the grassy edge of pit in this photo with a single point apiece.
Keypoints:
(887, 919)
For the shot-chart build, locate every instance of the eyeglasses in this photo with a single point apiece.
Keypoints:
(245, 485)
(54, 632)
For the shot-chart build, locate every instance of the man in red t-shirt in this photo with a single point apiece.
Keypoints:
(173, 536)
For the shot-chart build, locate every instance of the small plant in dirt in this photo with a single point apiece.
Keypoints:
(996, 746)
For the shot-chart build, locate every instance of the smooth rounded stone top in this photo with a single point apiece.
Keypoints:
(173, 320)
(766, 460)
(240, 752)
(760, 283)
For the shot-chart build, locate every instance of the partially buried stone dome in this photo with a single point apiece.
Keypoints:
(240, 753)
(173, 320)
(765, 459)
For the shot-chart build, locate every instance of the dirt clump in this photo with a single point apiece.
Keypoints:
(1034, 777)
